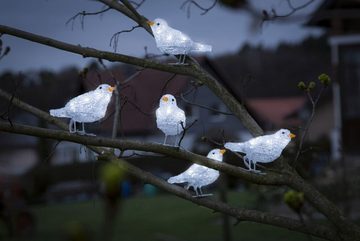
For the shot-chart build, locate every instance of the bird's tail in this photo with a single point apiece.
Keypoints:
(198, 47)
(176, 179)
(58, 112)
(234, 146)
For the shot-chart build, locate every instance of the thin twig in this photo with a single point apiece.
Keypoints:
(114, 40)
(81, 15)
(6, 52)
(52, 151)
(189, 3)
(6, 114)
(185, 129)
(204, 107)
(308, 123)
(137, 5)
(166, 84)
(139, 109)
(266, 16)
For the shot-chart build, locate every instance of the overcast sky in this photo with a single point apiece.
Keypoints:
(226, 30)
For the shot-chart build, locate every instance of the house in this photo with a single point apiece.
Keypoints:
(341, 18)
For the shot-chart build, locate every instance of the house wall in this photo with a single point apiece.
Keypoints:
(323, 122)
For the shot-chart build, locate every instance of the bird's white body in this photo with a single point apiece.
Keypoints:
(172, 41)
(197, 176)
(88, 107)
(262, 149)
(170, 119)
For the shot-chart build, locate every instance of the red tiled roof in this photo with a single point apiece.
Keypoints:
(276, 110)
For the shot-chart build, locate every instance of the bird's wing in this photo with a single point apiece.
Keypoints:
(81, 102)
(179, 36)
(260, 145)
(262, 149)
(189, 175)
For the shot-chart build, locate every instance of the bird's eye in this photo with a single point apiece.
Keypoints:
(172, 100)
(158, 24)
(283, 132)
(100, 87)
(213, 153)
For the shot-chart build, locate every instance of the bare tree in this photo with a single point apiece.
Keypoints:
(335, 227)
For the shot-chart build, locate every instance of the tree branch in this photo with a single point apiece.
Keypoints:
(250, 215)
(141, 20)
(91, 52)
(270, 179)
(190, 70)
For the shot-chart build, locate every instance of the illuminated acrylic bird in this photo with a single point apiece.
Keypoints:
(262, 149)
(172, 41)
(197, 176)
(170, 119)
(88, 107)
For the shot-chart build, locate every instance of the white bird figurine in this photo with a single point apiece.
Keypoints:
(170, 119)
(262, 149)
(88, 107)
(197, 176)
(172, 41)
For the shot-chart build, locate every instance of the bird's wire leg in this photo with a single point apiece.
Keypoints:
(82, 131)
(183, 59)
(255, 170)
(196, 192)
(72, 126)
(205, 195)
(176, 141)
(247, 163)
(165, 140)
(202, 194)
(179, 60)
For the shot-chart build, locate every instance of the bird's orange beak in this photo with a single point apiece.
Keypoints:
(111, 88)
(151, 23)
(222, 151)
(165, 98)
(291, 135)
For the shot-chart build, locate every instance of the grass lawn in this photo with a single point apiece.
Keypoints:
(159, 218)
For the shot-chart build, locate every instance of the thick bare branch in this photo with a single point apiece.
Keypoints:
(243, 214)
(123, 145)
(190, 70)
(91, 52)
